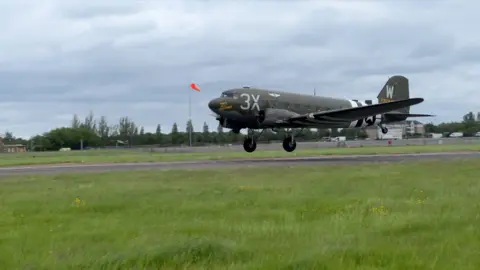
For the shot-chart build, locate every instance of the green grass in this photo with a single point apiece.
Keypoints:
(114, 156)
(422, 215)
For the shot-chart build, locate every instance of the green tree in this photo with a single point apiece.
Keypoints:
(75, 122)
(8, 137)
(174, 134)
(103, 130)
(206, 133)
(72, 137)
(158, 134)
(469, 117)
(89, 122)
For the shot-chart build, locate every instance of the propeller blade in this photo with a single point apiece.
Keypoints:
(217, 117)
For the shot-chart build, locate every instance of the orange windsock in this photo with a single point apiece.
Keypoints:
(195, 87)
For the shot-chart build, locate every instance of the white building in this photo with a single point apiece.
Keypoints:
(413, 127)
(397, 131)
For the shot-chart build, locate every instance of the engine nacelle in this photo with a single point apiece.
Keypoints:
(225, 123)
(271, 116)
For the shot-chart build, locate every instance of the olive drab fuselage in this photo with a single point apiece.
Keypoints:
(242, 106)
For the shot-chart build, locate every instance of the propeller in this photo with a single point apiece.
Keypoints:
(215, 115)
(219, 118)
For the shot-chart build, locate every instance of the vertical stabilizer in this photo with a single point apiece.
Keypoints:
(396, 88)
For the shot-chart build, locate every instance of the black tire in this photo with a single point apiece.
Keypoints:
(288, 144)
(249, 145)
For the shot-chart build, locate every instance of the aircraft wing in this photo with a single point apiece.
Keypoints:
(356, 113)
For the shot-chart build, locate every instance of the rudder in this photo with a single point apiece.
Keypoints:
(396, 88)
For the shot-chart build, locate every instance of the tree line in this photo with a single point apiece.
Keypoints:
(99, 133)
(469, 125)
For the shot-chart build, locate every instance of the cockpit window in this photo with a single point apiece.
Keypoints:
(229, 95)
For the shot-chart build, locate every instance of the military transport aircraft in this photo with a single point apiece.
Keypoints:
(255, 108)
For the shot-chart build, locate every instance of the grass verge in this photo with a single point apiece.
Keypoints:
(114, 156)
(421, 215)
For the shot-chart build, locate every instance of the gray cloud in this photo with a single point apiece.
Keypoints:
(137, 58)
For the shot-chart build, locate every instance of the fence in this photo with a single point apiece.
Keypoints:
(313, 145)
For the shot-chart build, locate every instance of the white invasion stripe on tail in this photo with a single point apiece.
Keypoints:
(353, 103)
(363, 103)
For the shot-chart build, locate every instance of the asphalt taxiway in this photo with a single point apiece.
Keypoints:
(211, 164)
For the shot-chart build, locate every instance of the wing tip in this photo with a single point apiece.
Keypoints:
(419, 99)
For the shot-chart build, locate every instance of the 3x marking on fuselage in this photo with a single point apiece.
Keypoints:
(251, 101)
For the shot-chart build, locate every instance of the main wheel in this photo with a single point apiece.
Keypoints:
(289, 144)
(384, 130)
(249, 145)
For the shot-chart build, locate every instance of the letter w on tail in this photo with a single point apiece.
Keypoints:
(389, 91)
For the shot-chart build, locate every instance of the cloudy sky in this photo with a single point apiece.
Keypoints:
(137, 58)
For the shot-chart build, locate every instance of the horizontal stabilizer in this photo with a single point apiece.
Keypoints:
(406, 115)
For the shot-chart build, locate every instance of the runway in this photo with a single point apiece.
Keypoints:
(212, 164)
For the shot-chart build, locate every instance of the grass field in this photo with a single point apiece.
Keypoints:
(422, 215)
(99, 156)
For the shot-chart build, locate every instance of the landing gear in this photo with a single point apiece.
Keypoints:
(384, 130)
(289, 144)
(250, 142)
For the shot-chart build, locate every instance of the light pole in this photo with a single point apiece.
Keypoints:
(195, 87)
(189, 118)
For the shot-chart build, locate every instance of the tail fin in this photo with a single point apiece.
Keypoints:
(396, 88)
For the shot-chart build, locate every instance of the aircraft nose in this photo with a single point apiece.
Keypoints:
(214, 104)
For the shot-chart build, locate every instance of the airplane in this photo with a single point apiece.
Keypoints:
(256, 108)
